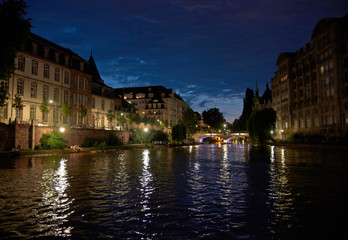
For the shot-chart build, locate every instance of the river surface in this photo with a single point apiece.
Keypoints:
(195, 192)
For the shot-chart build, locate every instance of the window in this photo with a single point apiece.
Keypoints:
(21, 63)
(44, 117)
(66, 62)
(4, 111)
(20, 87)
(86, 84)
(102, 104)
(80, 83)
(46, 71)
(80, 99)
(86, 101)
(19, 113)
(74, 98)
(75, 81)
(34, 48)
(93, 102)
(66, 96)
(45, 92)
(34, 67)
(57, 57)
(33, 90)
(56, 74)
(56, 95)
(82, 66)
(46, 52)
(55, 115)
(66, 78)
(32, 112)
(111, 105)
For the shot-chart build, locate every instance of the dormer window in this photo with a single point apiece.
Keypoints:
(66, 61)
(82, 66)
(57, 57)
(46, 52)
(34, 48)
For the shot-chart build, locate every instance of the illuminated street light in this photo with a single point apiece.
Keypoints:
(61, 129)
(146, 129)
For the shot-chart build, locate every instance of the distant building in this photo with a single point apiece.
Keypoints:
(265, 101)
(156, 102)
(310, 87)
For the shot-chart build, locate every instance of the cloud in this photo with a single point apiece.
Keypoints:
(70, 29)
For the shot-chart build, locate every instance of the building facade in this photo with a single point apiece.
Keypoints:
(155, 102)
(310, 87)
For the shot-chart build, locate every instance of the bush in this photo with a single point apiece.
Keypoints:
(88, 142)
(101, 146)
(113, 140)
(52, 141)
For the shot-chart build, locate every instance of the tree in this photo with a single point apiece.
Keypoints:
(44, 108)
(260, 124)
(110, 116)
(15, 30)
(65, 110)
(214, 118)
(190, 121)
(179, 133)
(18, 104)
(82, 111)
(3, 97)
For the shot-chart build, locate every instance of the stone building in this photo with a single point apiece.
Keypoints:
(156, 102)
(310, 87)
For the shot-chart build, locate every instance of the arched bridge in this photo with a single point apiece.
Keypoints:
(225, 137)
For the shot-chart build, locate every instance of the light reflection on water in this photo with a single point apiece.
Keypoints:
(228, 191)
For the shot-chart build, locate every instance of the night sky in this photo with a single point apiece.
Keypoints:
(208, 51)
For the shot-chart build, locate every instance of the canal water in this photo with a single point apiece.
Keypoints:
(195, 192)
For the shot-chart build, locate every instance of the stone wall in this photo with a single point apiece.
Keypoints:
(28, 136)
(7, 139)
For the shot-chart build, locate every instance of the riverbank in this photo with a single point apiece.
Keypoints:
(308, 145)
(27, 152)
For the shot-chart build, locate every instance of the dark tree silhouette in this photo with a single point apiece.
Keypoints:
(214, 118)
(14, 31)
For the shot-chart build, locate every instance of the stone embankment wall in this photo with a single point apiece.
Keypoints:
(27, 136)
(7, 137)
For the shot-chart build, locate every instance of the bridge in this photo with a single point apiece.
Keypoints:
(225, 137)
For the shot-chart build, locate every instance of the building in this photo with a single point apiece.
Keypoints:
(310, 87)
(53, 86)
(155, 102)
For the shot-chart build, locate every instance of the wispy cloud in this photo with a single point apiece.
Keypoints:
(70, 29)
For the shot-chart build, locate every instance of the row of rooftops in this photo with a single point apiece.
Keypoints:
(68, 58)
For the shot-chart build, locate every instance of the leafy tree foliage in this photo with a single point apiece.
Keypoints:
(179, 133)
(65, 109)
(44, 106)
(82, 111)
(140, 136)
(110, 116)
(214, 118)
(14, 32)
(260, 124)
(190, 121)
(18, 104)
(55, 140)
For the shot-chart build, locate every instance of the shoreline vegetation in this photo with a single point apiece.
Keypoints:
(29, 152)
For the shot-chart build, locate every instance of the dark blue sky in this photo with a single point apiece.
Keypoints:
(208, 51)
